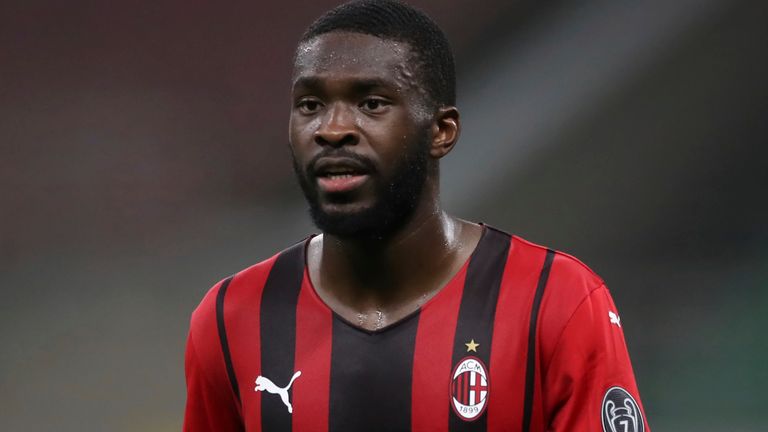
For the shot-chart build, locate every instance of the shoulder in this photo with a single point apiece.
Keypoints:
(567, 277)
(242, 289)
(571, 277)
(570, 286)
(247, 276)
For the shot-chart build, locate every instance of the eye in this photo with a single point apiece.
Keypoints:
(375, 105)
(308, 105)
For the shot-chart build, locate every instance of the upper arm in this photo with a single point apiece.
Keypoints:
(211, 404)
(589, 380)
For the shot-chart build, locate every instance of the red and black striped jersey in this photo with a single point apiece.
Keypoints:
(521, 339)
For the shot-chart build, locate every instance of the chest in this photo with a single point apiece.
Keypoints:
(427, 372)
(459, 363)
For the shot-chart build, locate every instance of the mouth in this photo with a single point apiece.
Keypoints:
(340, 175)
(341, 183)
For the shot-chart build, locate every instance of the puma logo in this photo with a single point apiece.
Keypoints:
(614, 318)
(265, 384)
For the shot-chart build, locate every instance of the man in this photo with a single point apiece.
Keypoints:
(400, 316)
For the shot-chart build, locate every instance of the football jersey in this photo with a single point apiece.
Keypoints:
(522, 338)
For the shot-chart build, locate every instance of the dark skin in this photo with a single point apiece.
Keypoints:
(358, 92)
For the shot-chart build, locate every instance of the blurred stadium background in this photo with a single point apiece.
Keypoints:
(143, 157)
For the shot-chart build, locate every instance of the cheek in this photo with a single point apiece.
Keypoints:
(301, 132)
(397, 147)
(396, 130)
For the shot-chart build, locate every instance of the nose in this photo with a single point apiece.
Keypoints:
(337, 128)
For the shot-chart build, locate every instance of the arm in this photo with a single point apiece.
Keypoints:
(589, 383)
(211, 404)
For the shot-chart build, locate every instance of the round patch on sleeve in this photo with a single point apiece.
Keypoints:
(620, 412)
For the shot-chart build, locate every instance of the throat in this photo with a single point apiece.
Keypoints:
(375, 322)
(375, 319)
(374, 287)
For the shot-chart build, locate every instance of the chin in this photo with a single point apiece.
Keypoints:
(344, 210)
(349, 224)
(359, 221)
(344, 221)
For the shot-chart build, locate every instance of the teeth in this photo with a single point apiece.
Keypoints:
(339, 176)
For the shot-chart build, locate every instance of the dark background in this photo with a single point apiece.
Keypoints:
(143, 157)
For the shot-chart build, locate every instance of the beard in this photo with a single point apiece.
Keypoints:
(396, 196)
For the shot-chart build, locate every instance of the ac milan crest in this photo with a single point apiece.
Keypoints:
(620, 412)
(470, 388)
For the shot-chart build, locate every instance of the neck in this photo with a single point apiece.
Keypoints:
(375, 273)
(377, 283)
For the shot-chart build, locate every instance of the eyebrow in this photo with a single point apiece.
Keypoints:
(358, 85)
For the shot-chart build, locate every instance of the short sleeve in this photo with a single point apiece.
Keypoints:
(589, 384)
(211, 404)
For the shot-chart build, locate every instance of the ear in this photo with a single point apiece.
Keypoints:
(445, 131)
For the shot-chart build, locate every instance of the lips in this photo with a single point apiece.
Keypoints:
(340, 175)
(341, 184)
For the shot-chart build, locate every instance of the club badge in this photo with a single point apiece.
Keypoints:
(620, 412)
(469, 388)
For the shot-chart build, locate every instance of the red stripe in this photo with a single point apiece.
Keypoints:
(456, 389)
(460, 384)
(465, 390)
(310, 391)
(431, 389)
(460, 392)
(242, 318)
(509, 346)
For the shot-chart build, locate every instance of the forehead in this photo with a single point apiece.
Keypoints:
(352, 54)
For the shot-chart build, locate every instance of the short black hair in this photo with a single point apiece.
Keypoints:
(395, 20)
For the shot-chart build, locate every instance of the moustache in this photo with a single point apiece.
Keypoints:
(340, 153)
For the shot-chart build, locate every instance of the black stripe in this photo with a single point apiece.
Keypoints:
(478, 310)
(278, 333)
(530, 368)
(223, 336)
(371, 377)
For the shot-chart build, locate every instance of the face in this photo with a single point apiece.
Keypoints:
(360, 133)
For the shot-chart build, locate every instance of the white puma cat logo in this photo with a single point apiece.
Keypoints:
(265, 384)
(614, 318)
